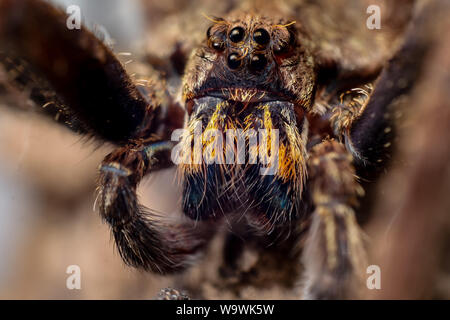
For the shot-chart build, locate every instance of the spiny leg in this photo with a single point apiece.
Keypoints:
(370, 131)
(334, 255)
(143, 239)
(74, 77)
(348, 109)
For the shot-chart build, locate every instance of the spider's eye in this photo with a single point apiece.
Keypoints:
(285, 42)
(261, 36)
(215, 39)
(234, 61)
(258, 62)
(217, 45)
(281, 48)
(237, 34)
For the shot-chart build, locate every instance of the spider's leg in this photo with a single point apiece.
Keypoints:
(94, 93)
(369, 136)
(334, 255)
(144, 239)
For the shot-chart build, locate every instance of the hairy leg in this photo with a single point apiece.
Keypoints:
(75, 78)
(144, 239)
(334, 255)
(369, 130)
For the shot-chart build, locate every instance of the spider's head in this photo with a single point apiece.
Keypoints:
(251, 58)
(250, 73)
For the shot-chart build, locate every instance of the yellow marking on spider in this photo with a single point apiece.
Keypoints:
(211, 19)
(47, 104)
(245, 53)
(357, 254)
(187, 95)
(330, 235)
(265, 146)
(291, 156)
(217, 121)
(284, 25)
(245, 95)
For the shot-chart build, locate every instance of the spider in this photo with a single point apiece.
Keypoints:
(262, 65)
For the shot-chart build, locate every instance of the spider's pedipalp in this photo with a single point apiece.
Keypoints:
(143, 238)
(370, 138)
